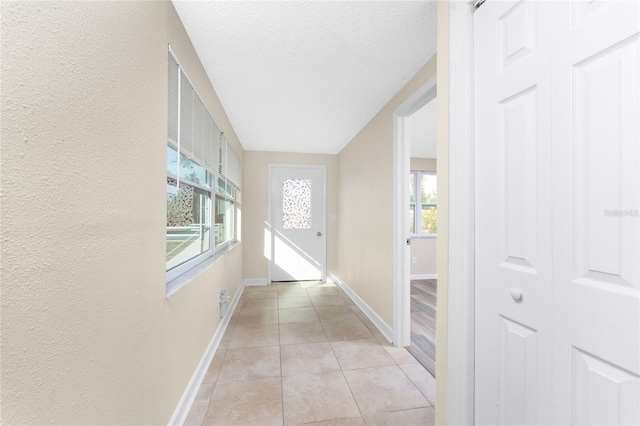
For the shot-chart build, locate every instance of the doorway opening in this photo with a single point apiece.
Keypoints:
(423, 202)
(414, 224)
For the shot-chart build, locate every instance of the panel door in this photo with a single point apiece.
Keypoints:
(513, 218)
(297, 202)
(596, 233)
(557, 212)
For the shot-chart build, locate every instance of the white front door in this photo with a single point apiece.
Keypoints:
(297, 196)
(557, 220)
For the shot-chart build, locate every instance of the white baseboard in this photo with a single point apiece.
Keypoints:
(424, 277)
(382, 326)
(247, 282)
(184, 406)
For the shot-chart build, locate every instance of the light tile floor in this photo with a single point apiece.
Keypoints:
(303, 353)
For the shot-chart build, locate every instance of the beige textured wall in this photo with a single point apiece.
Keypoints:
(423, 249)
(88, 336)
(365, 214)
(255, 196)
(443, 211)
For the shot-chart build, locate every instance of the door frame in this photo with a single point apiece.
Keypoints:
(401, 168)
(268, 226)
(460, 386)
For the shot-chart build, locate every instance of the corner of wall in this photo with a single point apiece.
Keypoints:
(443, 211)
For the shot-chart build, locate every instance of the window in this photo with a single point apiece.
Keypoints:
(203, 177)
(296, 204)
(225, 209)
(422, 203)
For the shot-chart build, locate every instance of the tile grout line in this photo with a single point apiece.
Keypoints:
(344, 377)
(281, 374)
(414, 384)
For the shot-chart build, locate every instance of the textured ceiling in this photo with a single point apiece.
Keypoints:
(307, 76)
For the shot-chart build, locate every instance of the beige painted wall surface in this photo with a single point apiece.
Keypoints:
(255, 214)
(443, 211)
(423, 164)
(88, 336)
(423, 249)
(365, 214)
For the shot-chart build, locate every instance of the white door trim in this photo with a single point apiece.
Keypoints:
(401, 156)
(322, 167)
(461, 280)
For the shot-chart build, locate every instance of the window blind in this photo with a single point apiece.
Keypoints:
(173, 100)
(233, 166)
(199, 137)
(208, 141)
(198, 131)
(186, 116)
(222, 155)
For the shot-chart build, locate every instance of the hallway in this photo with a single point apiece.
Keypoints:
(303, 353)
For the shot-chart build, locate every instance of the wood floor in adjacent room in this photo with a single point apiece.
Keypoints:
(423, 323)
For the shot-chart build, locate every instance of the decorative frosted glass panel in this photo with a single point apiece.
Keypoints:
(188, 222)
(296, 204)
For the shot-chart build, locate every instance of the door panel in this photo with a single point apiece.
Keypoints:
(596, 232)
(599, 384)
(297, 216)
(517, 363)
(513, 219)
(557, 261)
(516, 215)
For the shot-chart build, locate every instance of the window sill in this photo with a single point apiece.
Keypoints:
(422, 237)
(180, 281)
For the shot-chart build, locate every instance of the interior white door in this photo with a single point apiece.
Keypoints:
(513, 219)
(596, 232)
(557, 198)
(297, 223)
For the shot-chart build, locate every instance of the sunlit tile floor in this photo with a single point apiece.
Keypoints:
(303, 353)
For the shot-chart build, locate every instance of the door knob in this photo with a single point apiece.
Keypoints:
(319, 234)
(516, 294)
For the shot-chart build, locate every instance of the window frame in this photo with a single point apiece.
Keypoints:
(416, 176)
(181, 268)
(212, 177)
(232, 199)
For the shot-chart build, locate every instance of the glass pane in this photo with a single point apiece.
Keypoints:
(225, 188)
(296, 204)
(220, 185)
(188, 222)
(412, 190)
(224, 220)
(192, 171)
(428, 189)
(429, 219)
(412, 219)
(172, 161)
(231, 191)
